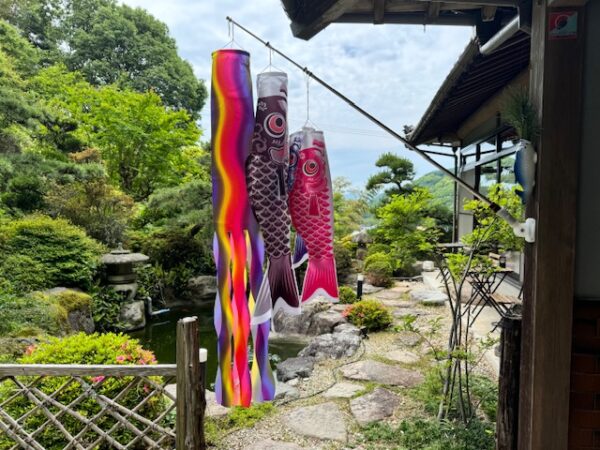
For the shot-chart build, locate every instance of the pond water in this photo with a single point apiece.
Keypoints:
(159, 335)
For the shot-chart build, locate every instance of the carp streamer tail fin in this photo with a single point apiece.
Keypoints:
(320, 279)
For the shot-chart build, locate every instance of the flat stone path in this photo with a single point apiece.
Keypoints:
(269, 444)
(323, 421)
(378, 372)
(343, 390)
(375, 406)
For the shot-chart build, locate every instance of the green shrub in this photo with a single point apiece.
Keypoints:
(31, 315)
(371, 314)
(343, 260)
(106, 307)
(23, 273)
(68, 256)
(347, 295)
(25, 193)
(85, 349)
(96, 206)
(379, 269)
(430, 434)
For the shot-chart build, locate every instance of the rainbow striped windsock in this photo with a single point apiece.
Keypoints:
(238, 247)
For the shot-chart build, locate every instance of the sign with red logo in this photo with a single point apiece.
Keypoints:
(562, 25)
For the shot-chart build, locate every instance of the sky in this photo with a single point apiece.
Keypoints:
(392, 71)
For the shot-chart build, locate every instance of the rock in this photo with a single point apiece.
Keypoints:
(294, 382)
(428, 266)
(408, 338)
(284, 390)
(378, 372)
(323, 421)
(343, 390)
(426, 297)
(325, 321)
(336, 346)
(81, 320)
(316, 318)
(203, 287)
(300, 366)
(369, 289)
(402, 356)
(347, 328)
(269, 444)
(375, 406)
(132, 316)
(213, 409)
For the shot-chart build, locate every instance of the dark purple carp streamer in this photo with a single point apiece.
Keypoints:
(267, 173)
(266, 177)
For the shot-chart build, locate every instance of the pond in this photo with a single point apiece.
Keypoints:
(159, 335)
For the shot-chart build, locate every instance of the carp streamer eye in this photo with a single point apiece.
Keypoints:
(310, 168)
(275, 125)
(293, 158)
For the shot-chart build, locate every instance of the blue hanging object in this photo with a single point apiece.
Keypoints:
(525, 161)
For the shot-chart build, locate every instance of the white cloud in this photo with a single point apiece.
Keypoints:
(391, 71)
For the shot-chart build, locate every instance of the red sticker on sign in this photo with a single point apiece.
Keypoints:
(562, 25)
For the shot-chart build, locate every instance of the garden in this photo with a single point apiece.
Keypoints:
(98, 151)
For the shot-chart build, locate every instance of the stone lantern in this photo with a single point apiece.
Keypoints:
(122, 278)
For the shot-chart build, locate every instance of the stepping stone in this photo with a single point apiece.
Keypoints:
(343, 390)
(301, 366)
(323, 421)
(213, 409)
(432, 298)
(285, 390)
(408, 338)
(402, 356)
(379, 372)
(375, 406)
(269, 444)
(332, 346)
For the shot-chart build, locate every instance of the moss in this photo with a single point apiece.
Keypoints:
(216, 428)
(72, 300)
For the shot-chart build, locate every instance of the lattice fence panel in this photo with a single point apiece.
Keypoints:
(86, 412)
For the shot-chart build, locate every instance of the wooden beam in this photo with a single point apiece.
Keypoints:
(478, 2)
(87, 370)
(410, 19)
(556, 91)
(567, 3)
(378, 11)
(336, 10)
(488, 13)
(433, 11)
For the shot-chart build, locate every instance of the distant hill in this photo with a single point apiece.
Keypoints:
(440, 185)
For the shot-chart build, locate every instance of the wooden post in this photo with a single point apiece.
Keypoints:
(191, 401)
(507, 419)
(555, 88)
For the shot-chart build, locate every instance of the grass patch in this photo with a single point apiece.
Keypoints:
(216, 428)
(430, 434)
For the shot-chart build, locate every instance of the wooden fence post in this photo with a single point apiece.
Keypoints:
(507, 419)
(191, 401)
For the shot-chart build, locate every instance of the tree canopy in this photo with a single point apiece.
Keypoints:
(398, 172)
(109, 44)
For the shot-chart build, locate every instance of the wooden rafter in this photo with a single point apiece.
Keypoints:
(335, 11)
(488, 13)
(378, 11)
(433, 11)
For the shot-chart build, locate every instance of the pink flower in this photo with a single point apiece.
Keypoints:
(120, 358)
(29, 350)
(98, 379)
(146, 389)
